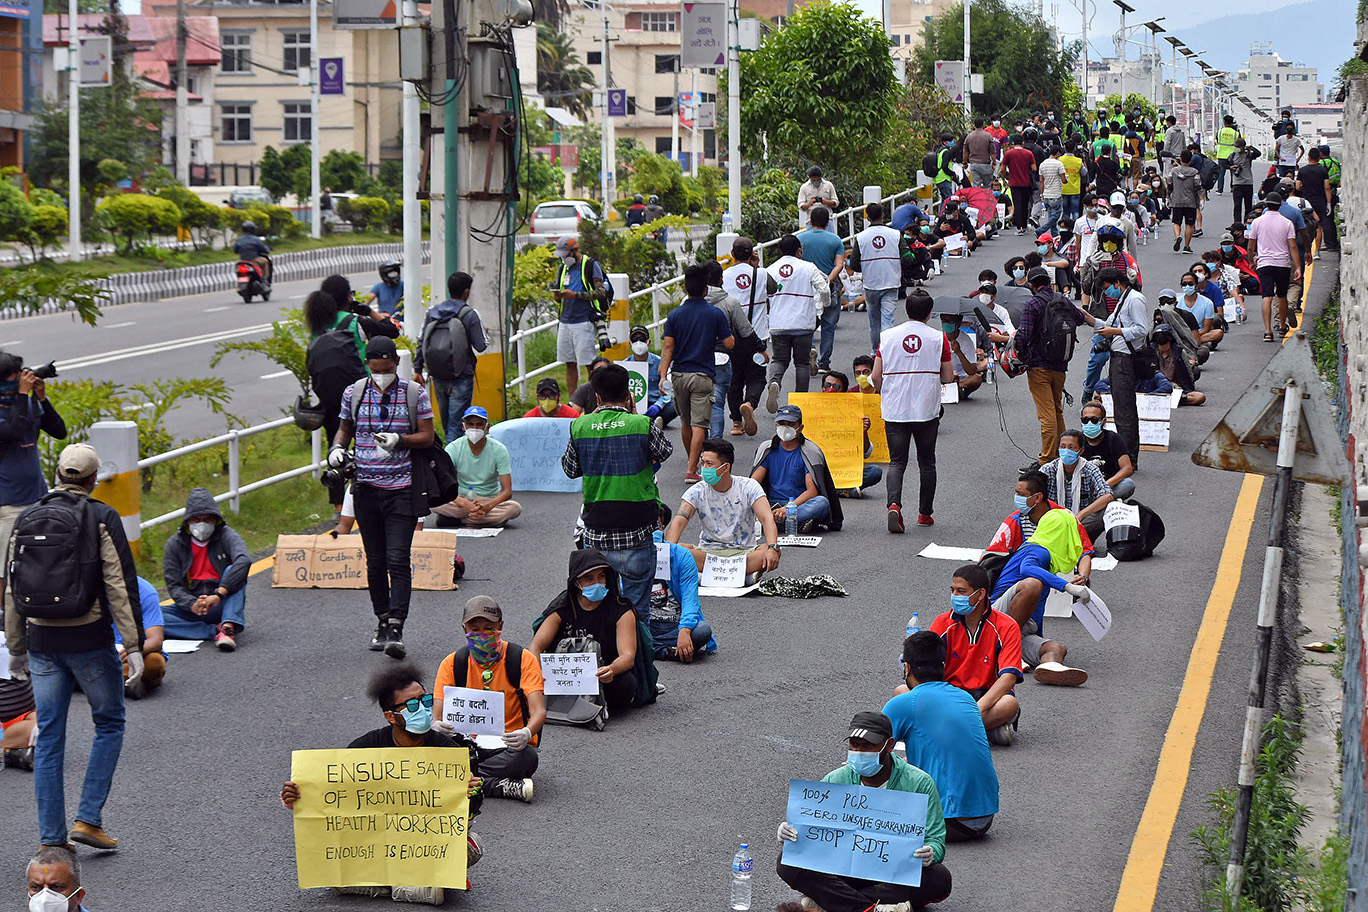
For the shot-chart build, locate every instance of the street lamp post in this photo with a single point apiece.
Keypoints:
(1155, 65)
(1125, 8)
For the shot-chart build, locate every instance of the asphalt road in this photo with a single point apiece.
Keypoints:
(647, 814)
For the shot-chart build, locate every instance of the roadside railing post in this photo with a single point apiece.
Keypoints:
(234, 471)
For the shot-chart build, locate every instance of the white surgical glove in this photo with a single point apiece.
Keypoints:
(926, 854)
(517, 740)
(443, 727)
(786, 832)
(387, 440)
(1080, 593)
(336, 456)
(18, 667)
(135, 667)
(666, 386)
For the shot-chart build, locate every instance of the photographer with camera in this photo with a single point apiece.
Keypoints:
(338, 329)
(24, 412)
(581, 286)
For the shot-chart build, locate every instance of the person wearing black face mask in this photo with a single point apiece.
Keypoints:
(24, 413)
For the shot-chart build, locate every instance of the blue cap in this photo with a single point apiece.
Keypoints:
(476, 411)
(1168, 293)
(789, 413)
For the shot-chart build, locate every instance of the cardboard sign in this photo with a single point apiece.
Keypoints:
(835, 422)
(324, 562)
(638, 382)
(381, 816)
(570, 673)
(662, 571)
(1120, 514)
(854, 831)
(723, 572)
(535, 447)
(878, 433)
(474, 712)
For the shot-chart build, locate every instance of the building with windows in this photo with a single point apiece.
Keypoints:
(1275, 84)
(907, 19)
(21, 75)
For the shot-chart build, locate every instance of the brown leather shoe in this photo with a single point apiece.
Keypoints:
(93, 836)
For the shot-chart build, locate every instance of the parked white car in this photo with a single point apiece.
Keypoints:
(559, 218)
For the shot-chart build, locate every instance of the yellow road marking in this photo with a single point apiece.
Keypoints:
(1140, 880)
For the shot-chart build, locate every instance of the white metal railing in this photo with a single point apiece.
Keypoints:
(521, 335)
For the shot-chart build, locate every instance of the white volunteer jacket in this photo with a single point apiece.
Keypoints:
(879, 262)
(736, 281)
(803, 293)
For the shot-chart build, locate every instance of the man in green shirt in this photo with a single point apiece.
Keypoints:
(872, 764)
(485, 474)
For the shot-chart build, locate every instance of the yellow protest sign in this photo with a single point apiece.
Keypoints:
(394, 816)
(878, 434)
(835, 422)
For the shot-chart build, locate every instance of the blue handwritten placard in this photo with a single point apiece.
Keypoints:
(535, 447)
(854, 831)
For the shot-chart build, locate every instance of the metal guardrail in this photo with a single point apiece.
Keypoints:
(517, 339)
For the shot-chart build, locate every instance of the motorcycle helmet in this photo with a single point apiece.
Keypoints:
(654, 199)
(636, 200)
(249, 227)
(308, 415)
(389, 272)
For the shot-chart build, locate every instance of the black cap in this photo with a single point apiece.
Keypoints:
(871, 727)
(1273, 199)
(639, 332)
(1037, 274)
(381, 347)
(548, 385)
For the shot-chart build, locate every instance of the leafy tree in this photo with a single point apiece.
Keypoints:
(821, 89)
(41, 196)
(561, 79)
(159, 178)
(278, 168)
(1354, 66)
(1014, 49)
(30, 287)
(344, 171)
(199, 218)
(49, 226)
(664, 177)
(111, 170)
(16, 212)
(364, 211)
(133, 215)
(539, 178)
(287, 346)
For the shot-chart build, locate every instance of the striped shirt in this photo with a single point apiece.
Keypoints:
(385, 412)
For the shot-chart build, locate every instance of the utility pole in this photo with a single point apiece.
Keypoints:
(73, 134)
(413, 212)
(182, 99)
(734, 114)
(674, 114)
(1084, 9)
(693, 93)
(968, 103)
(315, 216)
(605, 159)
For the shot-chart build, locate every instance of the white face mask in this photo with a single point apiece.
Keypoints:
(986, 298)
(49, 900)
(640, 348)
(474, 435)
(201, 531)
(786, 433)
(383, 381)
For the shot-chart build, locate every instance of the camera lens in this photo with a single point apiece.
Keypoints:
(46, 371)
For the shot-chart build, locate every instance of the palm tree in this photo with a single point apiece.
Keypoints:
(561, 79)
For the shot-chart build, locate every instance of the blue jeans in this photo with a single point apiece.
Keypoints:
(881, 303)
(1054, 208)
(944, 190)
(666, 636)
(636, 571)
(1124, 490)
(818, 508)
(1096, 361)
(829, 318)
(183, 624)
(721, 383)
(453, 398)
(1073, 205)
(872, 475)
(55, 675)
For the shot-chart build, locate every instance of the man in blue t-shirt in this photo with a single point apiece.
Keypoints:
(907, 214)
(687, 366)
(942, 728)
(785, 475)
(823, 249)
(154, 634)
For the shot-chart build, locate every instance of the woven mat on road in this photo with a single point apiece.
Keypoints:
(807, 587)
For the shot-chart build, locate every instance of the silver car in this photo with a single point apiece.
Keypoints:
(559, 218)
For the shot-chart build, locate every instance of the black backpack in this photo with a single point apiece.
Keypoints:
(512, 670)
(1133, 543)
(54, 567)
(931, 164)
(1207, 169)
(337, 351)
(446, 346)
(1058, 332)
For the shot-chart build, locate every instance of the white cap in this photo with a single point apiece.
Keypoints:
(1118, 198)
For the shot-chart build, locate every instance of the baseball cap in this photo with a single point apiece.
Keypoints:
(639, 332)
(1168, 294)
(789, 413)
(1118, 198)
(1045, 238)
(873, 727)
(1227, 238)
(381, 347)
(548, 385)
(1037, 274)
(476, 411)
(566, 245)
(482, 606)
(743, 248)
(77, 461)
(1273, 199)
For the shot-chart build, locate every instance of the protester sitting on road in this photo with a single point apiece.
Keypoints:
(1199, 311)
(1054, 548)
(592, 605)
(837, 382)
(870, 762)
(54, 881)
(641, 351)
(204, 566)
(19, 719)
(154, 636)
(549, 401)
(407, 708)
(1173, 367)
(1076, 484)
(1106, 450)
(965, 355)
(1032, 500)
(728, 508)
(677, 624)
(792, 468)
(942, 730)
(983, 648)
(485, 473)
(490, 662)
(583, 397)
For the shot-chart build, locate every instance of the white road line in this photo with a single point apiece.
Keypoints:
(120, 325)
(211, 310)
(298, 297)
(13, 342)
(157, 348)
(284, 373)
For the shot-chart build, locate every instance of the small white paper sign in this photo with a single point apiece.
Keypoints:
(949, 393)
(1094, 615)
(570, 673)
(723, 572)
(4, 663)
(1120, 514)
(954, 243)
(474, 712)
(662, 571)
(1176, 397)
(945, 552)
(714, 592)
(1152, 433)
(463, 532)
(1152, 407)
(174, 647)
(799, 541)
(1231, 312)
(1058, 604)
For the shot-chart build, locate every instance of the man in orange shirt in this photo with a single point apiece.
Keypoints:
(492, 663)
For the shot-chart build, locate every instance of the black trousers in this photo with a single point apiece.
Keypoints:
(834, 893)
(387, 519)
(1243, 197)
(1021, 205)
(748, 381)
(1123, 379)
(901, 434)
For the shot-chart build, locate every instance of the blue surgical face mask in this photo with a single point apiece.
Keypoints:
(1227, 248)
(1042, 249)
(961, 605)
(1091, 431)
(1189, 290)
(1018, 274)
(417, 722)
(1067, 456)
(596, 592)
(1114, 291)
(866, 763)
(949, 328)
(1021, 502)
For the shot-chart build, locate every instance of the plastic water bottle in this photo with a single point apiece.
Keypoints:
(791, 517)
(727, 228)
(741, 879)
(913, 626)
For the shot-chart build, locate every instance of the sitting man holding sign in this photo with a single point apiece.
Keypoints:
(407, 707)
(677, 626)
(871, 764)
(728, 509)
(494, 664)
(792, 468)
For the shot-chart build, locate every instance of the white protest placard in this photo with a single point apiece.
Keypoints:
(662, 561)
(721, 572)
(954, 243)
(1176, 396)
(1094, 615)
(638, 382)
(4, 663)
(949, 393)
(175, 647)
(474, 712)
(1153, 408)
(799, 541)
(945, 552)
(1120, 514)
(570, 673)
(716, 592)
(1152, 433)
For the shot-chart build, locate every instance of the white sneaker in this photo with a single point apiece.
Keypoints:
(808, 904)
(1002, 735)
(772, 400)
(432, 896)
(893, 907)
(1060, 675)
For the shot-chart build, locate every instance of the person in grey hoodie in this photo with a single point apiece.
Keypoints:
(205, 566)
(741, 329)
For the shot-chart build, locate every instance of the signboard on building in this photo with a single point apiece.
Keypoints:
(707, 115)
(14, 9)
(97, 57)
(703, 35)
(950, 78)
(365, 14)
(331, 80)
